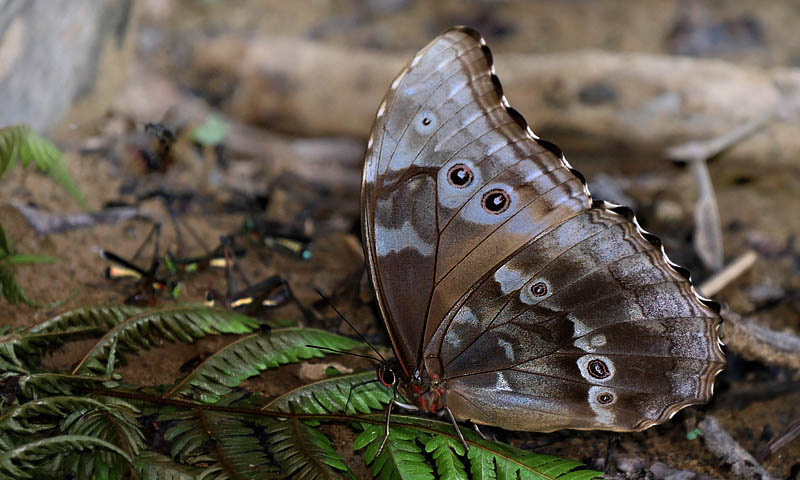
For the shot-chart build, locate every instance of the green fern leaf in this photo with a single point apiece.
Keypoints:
(145, 330)
(487, 460)
(44, 384)
(305, 453)
(31, 459)
(10, 289)
(248, 356)
(401, 457)
(20, 140)
(155, 466)
(446, 453)
(10, 140)
(115, 422)
(31, 344)
(330, 395)
(227, 445)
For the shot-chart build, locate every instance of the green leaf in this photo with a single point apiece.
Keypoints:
(155, 466)
(27, 346)
(446, 453)
(331, 394)
(304, 452)
(10, 140)
(5, 247)
(401, 457)
(248, 356)
(22, 258)
(212, 132)
(11, 290)
(147, 329)
(47, 158)
(227, 445)
(26, 460)
(487, 460)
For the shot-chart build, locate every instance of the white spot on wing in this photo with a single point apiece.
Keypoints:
(509, 349)
(509, 279)
(390, 240)
(382, 109)
(369, 142)
(462, 321)
(501, 384)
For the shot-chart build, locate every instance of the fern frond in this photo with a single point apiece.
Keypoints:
(20, 140)
(32, 459)
(11, 138)
(145, 330)
(248, 356)
(330, 395)
(401, 457)
(448, 455)
(26, 346)
(155, 466)
(10, 289)
(486, 459)
(40, 385)
(230, 444)
(304, 452)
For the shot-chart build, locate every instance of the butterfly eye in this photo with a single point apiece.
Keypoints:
(496, 201)
(460, 175)
(387, 377)
(598, 369)
(539, 289)
(605, 398)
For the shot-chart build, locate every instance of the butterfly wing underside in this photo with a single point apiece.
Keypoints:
(495, 272)
(426, 239)
(588, 326)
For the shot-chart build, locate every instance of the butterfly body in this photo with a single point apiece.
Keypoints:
(510, 296)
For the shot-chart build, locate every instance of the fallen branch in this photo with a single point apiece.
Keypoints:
(722, 444)
(757, 342)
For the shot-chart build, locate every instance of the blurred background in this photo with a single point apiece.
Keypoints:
(688, 111)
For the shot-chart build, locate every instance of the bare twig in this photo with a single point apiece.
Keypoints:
(778, 442)
(760, 343)
(721, 444)
(705, 149)
(45, 223)
(708, 232)
(731, 272)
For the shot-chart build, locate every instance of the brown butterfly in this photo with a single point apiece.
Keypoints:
(511, 298)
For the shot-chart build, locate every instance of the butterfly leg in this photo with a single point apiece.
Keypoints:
(475, 426)
(392, 403)
(455, 425)
(386, 429)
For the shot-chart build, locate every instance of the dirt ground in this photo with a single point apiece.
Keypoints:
(312, 184)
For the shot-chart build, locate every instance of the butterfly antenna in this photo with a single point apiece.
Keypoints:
(319, 292)
(344, 352)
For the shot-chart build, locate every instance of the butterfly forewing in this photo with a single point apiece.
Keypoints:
(428, 234)
(529, 306)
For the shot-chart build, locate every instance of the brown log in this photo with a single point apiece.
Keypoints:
(589, 100)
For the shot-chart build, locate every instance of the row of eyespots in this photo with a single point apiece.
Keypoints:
(495, 201)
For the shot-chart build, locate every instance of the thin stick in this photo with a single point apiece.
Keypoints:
(731, 272)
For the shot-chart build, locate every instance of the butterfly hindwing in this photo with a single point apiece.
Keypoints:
(594, 306)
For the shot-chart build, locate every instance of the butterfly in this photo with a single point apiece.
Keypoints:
(512, 298)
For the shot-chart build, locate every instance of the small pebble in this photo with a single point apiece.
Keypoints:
(629, 463)
(681, 475)
(660, 470)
